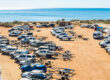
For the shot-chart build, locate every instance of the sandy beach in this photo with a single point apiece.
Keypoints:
(91, 62)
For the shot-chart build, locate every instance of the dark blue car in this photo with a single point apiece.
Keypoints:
(31, 67)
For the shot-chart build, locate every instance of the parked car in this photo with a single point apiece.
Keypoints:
(32, 67)
(18, 52)
(30, 34)
(98, 35)
(42, 25)
(1, 37)
(27, 62)
(2, 46)
(107, 49)
(13, 29)
(22, 36)
(83, 26)
(14, 33)
(103, 44)
(27, 39)
(8, 50)
(56, 32)
(59, 28)
(65, 37)
(37, 76)
(24, 57)
(69, 27)
(61, 34)
(107, 36)
(4, 41)
(46, 47)
(45, 25)
(26, 74)
(37, 43)
(45, 53)
(51, 25)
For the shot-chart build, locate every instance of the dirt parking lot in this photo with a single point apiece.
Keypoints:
(90, 62)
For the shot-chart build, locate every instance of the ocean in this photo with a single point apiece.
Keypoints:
(54, 14)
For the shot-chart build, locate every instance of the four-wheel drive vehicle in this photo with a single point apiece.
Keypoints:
(65, 37)
(61, 34)
(59, 28)
(26, 74)
(22, 36)
(69, 27)
(27, 39)
(1, 37)
(51, 25)
(86, 26)
(32, 67)
(107, 36)
(14, 33)
(107, 49)
(30, 34)
(104, 43)
(24, 57)
(56, 32)
(8, 50)
(4, 41)
(37, 76)
(2, 46)
(98, 35)
(46, 47)
(12, 29)
(27, 62)
(18, 52)
(36, 43)
(46, 53)
(83, 26)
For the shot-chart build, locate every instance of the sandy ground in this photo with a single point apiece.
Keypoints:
(90, 62)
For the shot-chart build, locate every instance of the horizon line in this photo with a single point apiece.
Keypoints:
(51, 8)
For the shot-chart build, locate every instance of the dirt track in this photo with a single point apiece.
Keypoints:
(90, 62)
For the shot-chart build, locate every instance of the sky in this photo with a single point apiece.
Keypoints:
(28, 4)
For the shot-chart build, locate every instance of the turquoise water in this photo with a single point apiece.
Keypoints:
(54, 14)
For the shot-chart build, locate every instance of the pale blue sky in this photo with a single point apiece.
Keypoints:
(25, 4)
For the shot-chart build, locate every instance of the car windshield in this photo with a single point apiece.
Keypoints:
(29, 56)
(11, 49)
(108, 42)
(63, 34)
(58, 32)
(43, 51)
(33, 56)
(18, 52)
(22, 56)
(97, 34)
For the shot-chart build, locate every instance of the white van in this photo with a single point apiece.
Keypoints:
(98, 35)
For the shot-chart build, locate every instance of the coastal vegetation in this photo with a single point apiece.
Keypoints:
(11, 24)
